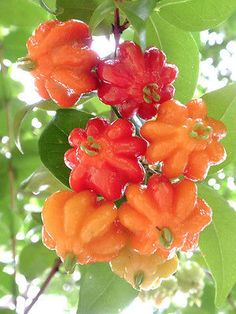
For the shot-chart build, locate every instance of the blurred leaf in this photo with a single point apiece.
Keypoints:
(197, 15)
(137, 13)
(25, 164)
(53, 142)
(41, 180)
(5, 234)
(207, 303)
(181, 49)
(94, 105)
(22, 13)
(15, 44)
(217, 243)
(100, 13)
(101, 291)
(23, 112)
(84, 10)
(6, 284)
(222, 106)
(6, 311)
(34, 260)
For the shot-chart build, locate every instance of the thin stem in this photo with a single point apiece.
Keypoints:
(53, 271)
(118, 28)
(116, 112)
(6, 103)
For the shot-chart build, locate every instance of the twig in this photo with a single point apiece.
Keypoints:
(118, 28)
(53, 271)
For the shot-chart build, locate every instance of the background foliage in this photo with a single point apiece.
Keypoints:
(25, 182)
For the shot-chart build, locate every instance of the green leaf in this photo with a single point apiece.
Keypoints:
(137, 13)
(222, 106)
(196, 15)
(34, 260)
(97, 107)
(6, 311)
(22, 13)
(101, 291)
(100, 13)
(6, 284)
(14, 44)
(217, 243)
(53, 142)
(181, 49)
(41, 177)
(22, 114)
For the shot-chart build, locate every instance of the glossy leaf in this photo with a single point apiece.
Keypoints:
(196, 15)
(217, 243)
(100, 13)
(101, 291)
(180, 48)
(53, 142)
(137, 13)
(21, 115)
(222, 106)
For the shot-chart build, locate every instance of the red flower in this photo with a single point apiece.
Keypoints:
(136, 82)
(104, 157)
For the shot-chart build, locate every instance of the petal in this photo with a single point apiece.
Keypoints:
(75, 82)
(127, 109)
(60, 94)
(40, 87)
(198, 166)
(160, 150)
(197, 109)
(73, 31)
(70, 158)
(130, 147)
(81, 59)
(216, 152)
(176, 163)
(185, 195)
(154, 60)
(168, 74)
(131, 56)
(172, 112)
(129, 168)
(77, 136)
(115, 73)
(147, 111)
(96, 127)
(120, 129)
(112, 95)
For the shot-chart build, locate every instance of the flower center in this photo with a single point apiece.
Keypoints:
(166, 238)
(91, 148)
(138, 279)
(150, 93)
(200, 131)
(26, 64)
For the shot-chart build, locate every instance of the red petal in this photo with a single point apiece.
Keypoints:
(96, 126)
(76, 137)
(112, 95)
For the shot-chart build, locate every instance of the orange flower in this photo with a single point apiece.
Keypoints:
(184, 139)
(81, 228)
(163, 216)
